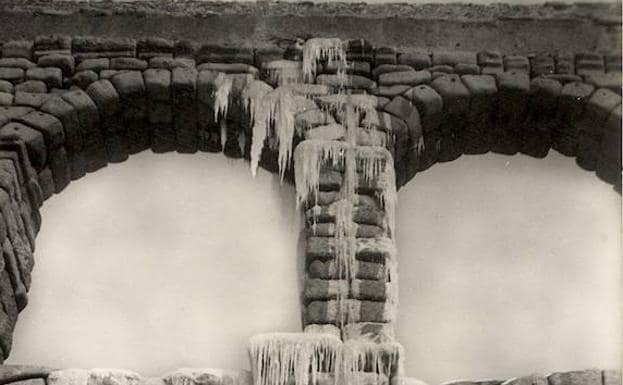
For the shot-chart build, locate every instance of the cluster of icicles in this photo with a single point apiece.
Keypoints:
(272, 114)
(314, 359)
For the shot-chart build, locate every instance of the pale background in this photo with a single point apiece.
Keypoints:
(508, 265)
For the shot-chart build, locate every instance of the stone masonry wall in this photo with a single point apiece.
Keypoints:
(347, 121)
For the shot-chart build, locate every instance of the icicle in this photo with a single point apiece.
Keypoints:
(223, 85)
(293, 358)
(309, 157)
(382, 360)
(361, 102)
(317, 49)
(252, 97)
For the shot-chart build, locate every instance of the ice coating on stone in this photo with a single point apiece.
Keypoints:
(284, 72)
(205, 376)
(362, 102)
(293, 358)
(315, 49)
(69, 377)
(103, 376)
(384, 359)
(309, 156)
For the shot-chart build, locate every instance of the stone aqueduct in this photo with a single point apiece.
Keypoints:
(346, 121)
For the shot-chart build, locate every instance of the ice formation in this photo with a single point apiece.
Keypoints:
(382, 359)
(293, 358)
(305, 358)
(284, 72)
(252, 99)
(332, 50)
(222, 85)
(201, 376)
(309, 157)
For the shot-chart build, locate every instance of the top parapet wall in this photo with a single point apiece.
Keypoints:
(513, 29)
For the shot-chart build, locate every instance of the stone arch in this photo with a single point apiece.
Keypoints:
(90, 101)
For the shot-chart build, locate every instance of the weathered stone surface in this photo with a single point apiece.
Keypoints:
(419, 60)
(6, 99)
(513, 90)
(542, 64)
(68, 116)
(131, 89)
(364, 270)
(12, 373)
(490, 61)
(611, 377)
(589, 62)
(184, 98)
(385, 55)
(534, 379)
(454, 57)
(21, 63)
(33, 86)
(388, 68)
(323, 289)
(348, 81)
(467, 69)
(18, 48)
(12, 74)
(15, 273)
(33, 139)
(584, 377)
(83, 79)
(96, 65)
(66, 63)
(409, 78)
(51, 76)
(88, 117)
(517, 63)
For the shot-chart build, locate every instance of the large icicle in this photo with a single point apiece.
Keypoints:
(223, 85)
(293, 358)
(252, 97)
(332, 50)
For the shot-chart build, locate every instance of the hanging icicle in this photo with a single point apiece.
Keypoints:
(361, 102)
(252, 97)
(222, 90)
(293, 358)
(332, 50)
(365, 362)
(309, 157)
